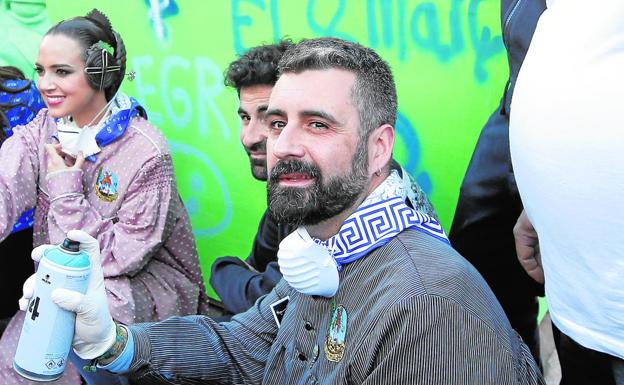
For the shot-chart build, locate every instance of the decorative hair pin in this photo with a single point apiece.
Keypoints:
(105, 68)
(131, 75)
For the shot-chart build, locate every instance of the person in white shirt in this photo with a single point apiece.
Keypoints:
(567, 153)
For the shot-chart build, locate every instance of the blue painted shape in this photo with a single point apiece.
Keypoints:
(484, 44)
(387, 22)
(159, 10)
(424, 181)
(330, 29)
(373, 35)
(239, 21)
(277, 34)
(407, 131)
(455, 20)
(401, 31)
(428, 13)
(193, 204)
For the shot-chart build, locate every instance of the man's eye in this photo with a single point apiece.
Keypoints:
(318, 125)
(277, 124)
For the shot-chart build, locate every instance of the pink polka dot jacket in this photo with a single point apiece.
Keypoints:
(128, 200)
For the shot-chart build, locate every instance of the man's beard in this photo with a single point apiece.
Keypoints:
(324, 199)
(258, 166)
(259, 169)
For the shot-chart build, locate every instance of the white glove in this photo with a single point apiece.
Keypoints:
(95, 331)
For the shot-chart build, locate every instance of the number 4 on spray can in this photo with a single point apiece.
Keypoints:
(48, 330)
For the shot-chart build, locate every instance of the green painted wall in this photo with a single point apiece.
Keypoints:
(447, 57)
(22, 23)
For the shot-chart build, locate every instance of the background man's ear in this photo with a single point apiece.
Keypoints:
(380, 144)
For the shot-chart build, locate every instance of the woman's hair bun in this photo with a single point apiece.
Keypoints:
(101, 19)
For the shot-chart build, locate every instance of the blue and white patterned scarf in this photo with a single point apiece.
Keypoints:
(123, 110)
(381, 217)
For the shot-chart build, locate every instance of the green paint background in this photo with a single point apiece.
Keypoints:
(444, 101)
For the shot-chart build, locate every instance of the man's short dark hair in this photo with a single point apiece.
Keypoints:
(256, 66)
(374, 91)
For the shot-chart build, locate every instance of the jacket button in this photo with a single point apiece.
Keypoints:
(302, 357)
(308, 326)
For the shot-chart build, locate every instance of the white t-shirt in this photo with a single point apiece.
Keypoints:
(567, 147)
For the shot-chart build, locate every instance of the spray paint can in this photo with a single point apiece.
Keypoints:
(48, 330)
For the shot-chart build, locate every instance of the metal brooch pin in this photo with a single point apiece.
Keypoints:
(335, 341)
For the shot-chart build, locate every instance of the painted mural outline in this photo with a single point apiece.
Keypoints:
(183, 103)
(400, 28)
(409, 134)
(185, 94)
(192, 204)
(158, 11)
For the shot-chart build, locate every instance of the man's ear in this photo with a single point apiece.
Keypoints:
(380, 144)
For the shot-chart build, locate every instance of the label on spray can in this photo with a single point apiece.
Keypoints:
(48, 330)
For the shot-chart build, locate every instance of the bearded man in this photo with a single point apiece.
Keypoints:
(372, 291)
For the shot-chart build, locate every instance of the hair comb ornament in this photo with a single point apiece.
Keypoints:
(105, 68)
(105, 46)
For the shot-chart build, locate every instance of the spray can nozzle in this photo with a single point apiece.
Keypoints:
(70, 245)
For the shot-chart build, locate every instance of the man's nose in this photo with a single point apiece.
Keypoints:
(255, 132)
(288, 143)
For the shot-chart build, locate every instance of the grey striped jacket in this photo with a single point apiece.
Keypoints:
(415, 312)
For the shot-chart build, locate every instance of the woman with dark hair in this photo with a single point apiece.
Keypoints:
(19, 103)
(92, 161)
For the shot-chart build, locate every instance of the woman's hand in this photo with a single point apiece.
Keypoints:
(58, 160)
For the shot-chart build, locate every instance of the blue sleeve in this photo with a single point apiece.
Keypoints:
(122, 363)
